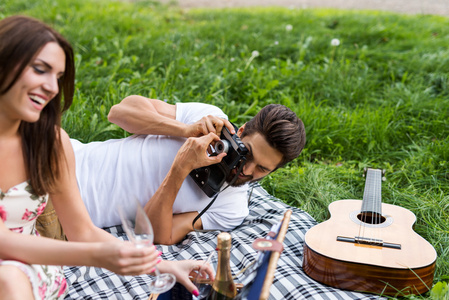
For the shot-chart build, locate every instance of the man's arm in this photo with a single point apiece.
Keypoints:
(169, 229)
(140, 115)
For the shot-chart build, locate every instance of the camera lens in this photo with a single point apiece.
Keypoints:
(221, 146)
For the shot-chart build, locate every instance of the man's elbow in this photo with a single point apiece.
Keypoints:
(115, 114)
(170, 238)
(181, 225)
(166, 240)
(116, 110)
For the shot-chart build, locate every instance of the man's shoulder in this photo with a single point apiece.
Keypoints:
(198, 109)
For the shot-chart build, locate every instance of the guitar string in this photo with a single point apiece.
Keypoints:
(372, 203)
(379, 189)
(379, 202)
(377, 210)
(375, 205)
(363, 219)
(365, 200)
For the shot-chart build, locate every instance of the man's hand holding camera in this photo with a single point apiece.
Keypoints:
(208, 124)
(194, 154)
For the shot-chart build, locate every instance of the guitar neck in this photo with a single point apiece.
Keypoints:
(372, 196)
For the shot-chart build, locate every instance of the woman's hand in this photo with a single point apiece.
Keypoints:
(185, 268)
(123, 258)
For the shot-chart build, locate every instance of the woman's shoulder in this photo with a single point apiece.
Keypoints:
(66, 144)
(63, 133)
(64, 137)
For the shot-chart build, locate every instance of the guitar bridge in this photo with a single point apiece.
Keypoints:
(368, 241)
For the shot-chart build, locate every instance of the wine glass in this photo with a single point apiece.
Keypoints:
(140, 233)
(202, 282)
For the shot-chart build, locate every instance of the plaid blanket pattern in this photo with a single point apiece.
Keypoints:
(290, 281)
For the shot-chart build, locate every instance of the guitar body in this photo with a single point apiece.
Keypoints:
(389, 259)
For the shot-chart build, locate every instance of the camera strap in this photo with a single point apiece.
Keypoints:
(213, 200)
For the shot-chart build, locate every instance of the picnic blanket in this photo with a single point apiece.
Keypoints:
(290, 281)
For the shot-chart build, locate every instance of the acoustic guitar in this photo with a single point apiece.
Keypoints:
(369, 246)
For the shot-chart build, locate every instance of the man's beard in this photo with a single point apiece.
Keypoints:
(240, 180)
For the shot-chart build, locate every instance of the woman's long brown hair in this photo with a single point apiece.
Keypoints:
(21, 39)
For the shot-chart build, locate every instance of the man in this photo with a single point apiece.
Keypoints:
(170, 141)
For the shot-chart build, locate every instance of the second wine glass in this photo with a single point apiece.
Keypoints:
(201, 280)
(140, 232)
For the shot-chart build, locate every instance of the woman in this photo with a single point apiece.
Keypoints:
(37, 162)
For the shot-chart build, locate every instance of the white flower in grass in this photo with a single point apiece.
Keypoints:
(232, 59)
(254, 54)
(335, 42)
(289, 27)
(276, 43)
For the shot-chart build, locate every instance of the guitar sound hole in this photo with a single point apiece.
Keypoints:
(371, 218)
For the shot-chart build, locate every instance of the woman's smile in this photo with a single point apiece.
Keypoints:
(36, 86)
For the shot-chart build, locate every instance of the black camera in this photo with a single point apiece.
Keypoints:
(211, 178)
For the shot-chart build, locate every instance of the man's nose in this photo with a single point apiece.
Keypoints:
(248, 168)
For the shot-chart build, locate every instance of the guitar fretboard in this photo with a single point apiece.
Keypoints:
(372, 195)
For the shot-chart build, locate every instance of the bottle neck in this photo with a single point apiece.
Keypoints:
(224, 265)
(223, 283)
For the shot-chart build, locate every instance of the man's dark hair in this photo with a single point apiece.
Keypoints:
(282, 129)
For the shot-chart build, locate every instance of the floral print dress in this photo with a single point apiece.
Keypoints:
(19, 208)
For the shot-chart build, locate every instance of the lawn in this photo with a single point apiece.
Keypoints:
(377, 96)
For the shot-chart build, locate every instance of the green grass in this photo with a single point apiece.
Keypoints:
(380, 99)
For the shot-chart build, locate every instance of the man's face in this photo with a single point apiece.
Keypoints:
(262, 159)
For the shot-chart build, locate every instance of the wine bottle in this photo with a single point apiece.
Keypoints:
(223, 287)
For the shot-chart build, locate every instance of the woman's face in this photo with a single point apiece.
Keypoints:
(37, 85)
